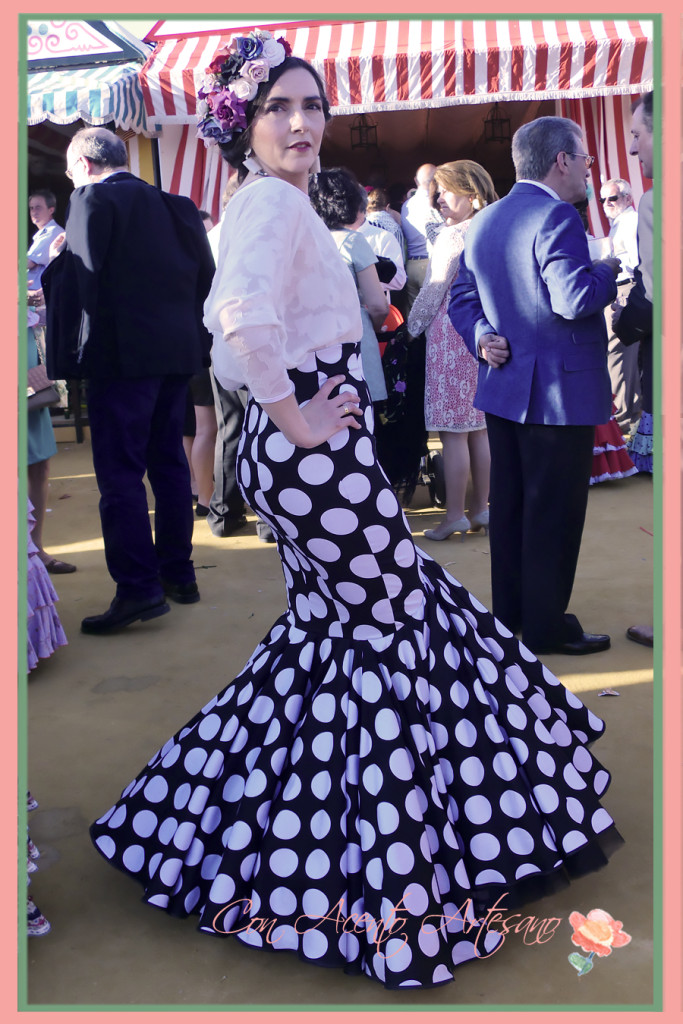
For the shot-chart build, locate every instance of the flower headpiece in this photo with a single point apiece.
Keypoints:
(232, 80)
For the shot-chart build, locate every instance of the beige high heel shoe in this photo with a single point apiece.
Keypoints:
(444, 530)
(480, 521)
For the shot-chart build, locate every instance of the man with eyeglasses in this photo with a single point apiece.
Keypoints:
(622, 360)
(529, 303)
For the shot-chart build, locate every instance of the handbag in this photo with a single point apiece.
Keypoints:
(40, 390)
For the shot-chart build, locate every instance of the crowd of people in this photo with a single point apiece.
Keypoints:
(390, 743)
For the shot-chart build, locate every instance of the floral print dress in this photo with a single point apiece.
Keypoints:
(451, 370)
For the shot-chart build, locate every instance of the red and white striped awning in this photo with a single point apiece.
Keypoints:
(396, 65)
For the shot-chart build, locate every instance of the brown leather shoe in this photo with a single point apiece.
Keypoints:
(641, 635)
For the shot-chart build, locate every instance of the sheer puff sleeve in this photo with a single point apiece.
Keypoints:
(441, 271)
(281, 290)
(244, 309)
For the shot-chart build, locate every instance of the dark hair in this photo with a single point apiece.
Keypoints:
(46, 194)
(336, 197)
(582, 209)
(378, 199)
(236, 150)
(397, 194)
(645, 103)
(205, 215)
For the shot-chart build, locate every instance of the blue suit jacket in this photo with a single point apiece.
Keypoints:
(526, 274)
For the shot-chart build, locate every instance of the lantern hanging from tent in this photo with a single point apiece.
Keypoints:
(363, 133)
(496, 128)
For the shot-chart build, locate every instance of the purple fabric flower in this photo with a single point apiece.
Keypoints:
(229, 110)
(204, 92)
(249, 47)
(400, 386)
(208, 128)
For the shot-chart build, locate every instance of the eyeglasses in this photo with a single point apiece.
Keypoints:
(70, 170)
(610, 199)
(590, 160)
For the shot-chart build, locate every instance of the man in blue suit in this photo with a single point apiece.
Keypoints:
(530, 305)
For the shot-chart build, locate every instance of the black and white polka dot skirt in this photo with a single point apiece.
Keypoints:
(390, 763)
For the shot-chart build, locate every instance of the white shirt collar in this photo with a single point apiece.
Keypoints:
(49, 224)
(540, 184)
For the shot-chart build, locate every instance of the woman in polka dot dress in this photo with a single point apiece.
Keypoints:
(391, 762)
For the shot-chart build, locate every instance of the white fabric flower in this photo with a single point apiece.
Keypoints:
(244, 88)
(273, 52)
(255, 70)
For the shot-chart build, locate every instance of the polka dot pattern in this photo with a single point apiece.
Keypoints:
(389, 751)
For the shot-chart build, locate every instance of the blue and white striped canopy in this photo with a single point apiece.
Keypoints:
(96, 95)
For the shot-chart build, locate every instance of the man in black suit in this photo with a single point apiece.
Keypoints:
(632, 323)
(124, 310)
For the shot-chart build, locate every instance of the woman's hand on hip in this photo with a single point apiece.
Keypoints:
(326, 416)
(315, 422)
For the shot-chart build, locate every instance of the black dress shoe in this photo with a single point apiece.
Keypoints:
(264, 532)
(228, 526)
(587, 643)
(123, 611)
(181, 593)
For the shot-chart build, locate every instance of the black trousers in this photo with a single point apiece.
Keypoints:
(226, 500)
(539, 491)
(136, 427)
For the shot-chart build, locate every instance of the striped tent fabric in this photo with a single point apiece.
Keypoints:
(605, 122)
(394, 65)
(189, 168)
(96, 95)
(591, 68)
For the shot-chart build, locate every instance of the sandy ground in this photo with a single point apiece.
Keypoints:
(100, 707)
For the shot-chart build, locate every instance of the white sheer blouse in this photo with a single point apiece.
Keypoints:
(281, 290)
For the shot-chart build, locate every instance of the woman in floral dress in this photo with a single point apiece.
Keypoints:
(451, 371)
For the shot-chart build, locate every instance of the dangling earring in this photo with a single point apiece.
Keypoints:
(252, 165)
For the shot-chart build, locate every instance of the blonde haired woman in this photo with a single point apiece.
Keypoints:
(451, 371)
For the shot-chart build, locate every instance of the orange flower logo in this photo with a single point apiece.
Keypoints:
(597, 933)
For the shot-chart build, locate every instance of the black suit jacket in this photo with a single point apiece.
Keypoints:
(126, 297)
(635, 321)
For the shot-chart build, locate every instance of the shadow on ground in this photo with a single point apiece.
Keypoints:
(100, 707)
